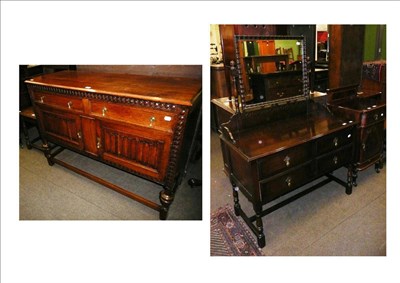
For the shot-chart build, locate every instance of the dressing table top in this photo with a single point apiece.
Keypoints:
(273, 137)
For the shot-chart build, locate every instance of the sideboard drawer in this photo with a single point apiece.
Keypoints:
(149, 118)
(59, 101)
(276, 187)
(334, 141)
(284, 160)
(334, 160)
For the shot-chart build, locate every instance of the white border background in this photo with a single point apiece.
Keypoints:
(169, 251)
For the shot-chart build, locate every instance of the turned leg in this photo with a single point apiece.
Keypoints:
(166, 198)
(350, 179)
(259, 225)
(236, 199)
(355, 176)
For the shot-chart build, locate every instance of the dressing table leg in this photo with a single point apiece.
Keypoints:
(350, 180)
(236, 199)
(259, 225)
(355, 175)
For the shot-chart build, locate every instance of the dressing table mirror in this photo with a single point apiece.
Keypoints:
(274, 139)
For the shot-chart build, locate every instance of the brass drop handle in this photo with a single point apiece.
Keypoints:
(41, 99)
(152, 120)
(104, 111)
(98, 143)
(69, 104)
(363, 146)
(335, 160)
(335, 141)
(376, 116)
(287, 161)
(288, 181)
(79, 134)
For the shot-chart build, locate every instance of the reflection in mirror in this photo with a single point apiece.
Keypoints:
(270, 68)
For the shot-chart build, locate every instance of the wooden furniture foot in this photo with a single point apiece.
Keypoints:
(166, 198)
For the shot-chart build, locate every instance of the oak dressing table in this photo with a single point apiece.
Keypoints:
(274, 144)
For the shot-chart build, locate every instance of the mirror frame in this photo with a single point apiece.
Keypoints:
(240, 100)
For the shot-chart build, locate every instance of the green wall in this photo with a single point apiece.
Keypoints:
(370, 42)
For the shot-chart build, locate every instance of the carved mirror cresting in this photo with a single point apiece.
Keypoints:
(269, 70)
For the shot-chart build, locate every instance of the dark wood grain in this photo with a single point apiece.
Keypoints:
(136, 123)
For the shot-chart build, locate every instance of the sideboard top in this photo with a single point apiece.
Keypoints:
(182, 91)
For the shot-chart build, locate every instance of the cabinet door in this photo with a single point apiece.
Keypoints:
(371, 145)
(139, 149)
(61, 127)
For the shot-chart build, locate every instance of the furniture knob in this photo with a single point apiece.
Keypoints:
(152, 120)
(335, 141)
(104, 111)
(79, 134)
(98, 143)
(288, 181)
(335, 160)
(363, 146)
(287, 161)
(69, 104)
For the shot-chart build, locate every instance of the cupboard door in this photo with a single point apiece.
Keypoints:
(61, 127)
(371, 145)
(142, 150)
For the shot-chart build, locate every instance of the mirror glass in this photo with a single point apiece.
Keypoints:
(270, 69)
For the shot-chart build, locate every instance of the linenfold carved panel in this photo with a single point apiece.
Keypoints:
(133, 148)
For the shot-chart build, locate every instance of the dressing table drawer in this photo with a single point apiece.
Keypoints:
(276, 93)
(141, 116)
(284, 160)
(59, 101)
(276, 187)
(334, 141)
(334, 160)
(284, 81)
(373, 116)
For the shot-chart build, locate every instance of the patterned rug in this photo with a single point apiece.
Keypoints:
(230, 236)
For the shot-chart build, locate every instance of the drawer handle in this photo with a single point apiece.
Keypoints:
(288, 181)
(152, 120)
(335, 160)
(363, 146)
(41, 99)
(287, 161)
(335, 141)
(98, 143)
(104, 111)
(69, 104)
(79, 134)
(376, 116)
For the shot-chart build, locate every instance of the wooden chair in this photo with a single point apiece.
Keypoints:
(28, 116)
(289, 52)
